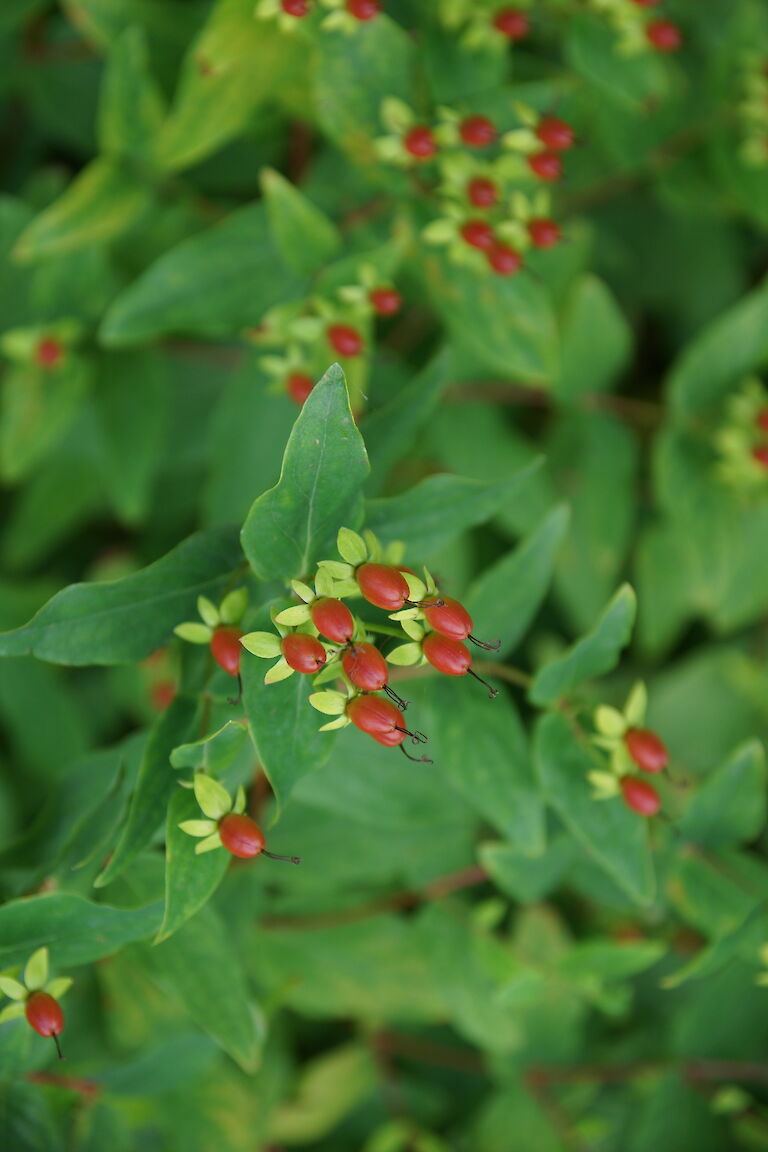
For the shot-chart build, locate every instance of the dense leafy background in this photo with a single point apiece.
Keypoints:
(474, 955)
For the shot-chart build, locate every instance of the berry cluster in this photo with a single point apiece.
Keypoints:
(36, 997)
(344, 15)
(629, 747)
(742, 439)
(637, 26)
(322, 638)
(303, 335)
(488, 179)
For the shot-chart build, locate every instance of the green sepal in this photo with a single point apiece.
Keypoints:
(609, 721)
(303, 591)
(417, 589)
(194, 632)
(293, 616)
(198, 828)
(405, 655)
(413, 629)
(636, 705)
(329, 702)
(12, 988)
(239, 804)
(11, 1012)
(279, 671)
(36, 971)
(209, 613)
(233, 606)
(209, 844)
(324, 583)
(213, 798)
(263, 644)
(352, 547)
(58, 987)
(336, 569)
(339, 722)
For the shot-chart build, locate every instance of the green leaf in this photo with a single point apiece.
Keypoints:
(594, 655)
(38, 406)
(212, 284)
(507, 325)
(190, 879)
(304, 236)
(154, 787)
(199, 965)
(295, 523)
(214, 752)
(629, 80)
(101, 203)
(439, 508)
(525, 880)
(332, 1085)
(730, 806)
(127, 619)
(596, 341)
(505, 599)
(616, 837)
(76, 931)
(132, 108)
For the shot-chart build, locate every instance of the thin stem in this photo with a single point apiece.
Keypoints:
(284, 859)
(57, 1042)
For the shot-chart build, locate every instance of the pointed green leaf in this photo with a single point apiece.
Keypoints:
(75, 930)
(190, 880)
(304, 236)
(729, 807)
(211, 796)
(36, 971)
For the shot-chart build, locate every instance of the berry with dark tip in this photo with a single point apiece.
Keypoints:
(555, 134)
(333, 619)
(640, 796)
(241, 836)
(44, 1014)
(298, 386)
(451, 657)
(420, 142)
(303, 653)
(366, 668)
(450, 618)
(546, 165)
(482, 192)
(226, 649)
(543, 233)
(478, 234)
(647, 749)
(382, 586)
(477, 131)
(380, 719)
(345, 340)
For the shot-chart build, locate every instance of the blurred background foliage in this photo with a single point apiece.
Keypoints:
(475, 955)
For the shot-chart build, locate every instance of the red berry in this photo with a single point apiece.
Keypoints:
(44, 1014)
(363, 9)
(389, 739)
(546, 165)
(760, 455)
(295, 7)
(477, 131)
(482, 192)
(664, 36)
(48, 352)
(543, 233)
(365, 667)
(298, 386)
(762, 419)
(345, 340)
(333, 619)
(303, 653)
(420, 142)
(478, 234)
(640, 796)
(504, 260)
(555, 134)
(226, 649)
(451, 657)
(512, 23)
(374, 715)
(162, 693)
(646, 749)
(449, 618)
(241, 836)
(385, 301)
(382, 586)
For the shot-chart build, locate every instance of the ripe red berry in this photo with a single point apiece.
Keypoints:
(760, 455)
(664, 36)
(543, 233)
(48, 352)
(344, 339)
(365, 667)
(512, 23)
(295, 7)
(546, 165)
(477, 131)
(478, 234)
(381, 719)
(640, 796)
(647, 750)
(762, 419)
(303, 653)
(226, 649)
(333, 619)
(450, 618)
(482, 192)
(44, 1014)
(451, 657)
(383, 586)
(162, 693)
(298, 386)
(504, 260)
(385, 301)
(363, 9)
(420, 142)
(555, 134)
(241, 836)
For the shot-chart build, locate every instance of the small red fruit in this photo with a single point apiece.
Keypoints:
(345, 340)
(383, 586)
(451, 657)
(478, 234)
(647, 750)
(477, 131)
(303, 653)
(640, 796)
(333, 619)
(543, 233)
(298, 386)
(450, 618)
(385, 301)
(664, 36)
(241, 836)
(363, 9)
(504, 260)
(226, 649)
(512, 23)
(162, 694)
(44, 1014)
(760, 455)
(295, 7)
(381, 719)
(48, 352)
(482, 192)
(555, 134)
(420, 142)
(762, 419)
(365, 667)
(546, 165)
